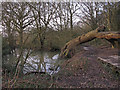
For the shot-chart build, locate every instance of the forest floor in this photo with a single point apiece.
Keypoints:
(84, 70)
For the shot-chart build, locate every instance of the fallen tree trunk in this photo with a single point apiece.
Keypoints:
(112, 37)
(68, 49)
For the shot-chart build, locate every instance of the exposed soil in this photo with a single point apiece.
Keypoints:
(84, 70)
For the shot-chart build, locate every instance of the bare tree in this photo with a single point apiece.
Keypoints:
(21, 18)
(8, 29)
(90, 13)
(111, 12)
(43, 14)
(17, 17)
(73, 8)
(65, 16)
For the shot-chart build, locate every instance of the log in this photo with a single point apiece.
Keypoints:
(68, 49)
(112, 37)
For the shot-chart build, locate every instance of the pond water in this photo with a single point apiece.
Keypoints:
(40, 61)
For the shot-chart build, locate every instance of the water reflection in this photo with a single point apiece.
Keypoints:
(42, 62)
(38, 62)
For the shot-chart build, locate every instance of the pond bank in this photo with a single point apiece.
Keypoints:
(37, 61)
(83, 70)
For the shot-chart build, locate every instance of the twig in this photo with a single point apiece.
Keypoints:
(15, 79)
(51, 85)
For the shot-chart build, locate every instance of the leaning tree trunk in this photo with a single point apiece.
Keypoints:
(68, 49)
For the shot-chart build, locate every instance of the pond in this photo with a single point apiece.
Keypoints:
(38, 61)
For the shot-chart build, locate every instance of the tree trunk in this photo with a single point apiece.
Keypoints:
(68, 49)
(42, 43)
(71, 21)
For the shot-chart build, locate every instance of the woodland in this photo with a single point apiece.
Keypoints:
(60, 44)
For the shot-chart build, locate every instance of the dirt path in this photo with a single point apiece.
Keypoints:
(85, 70)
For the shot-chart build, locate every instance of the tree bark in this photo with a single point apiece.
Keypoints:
(68, 49)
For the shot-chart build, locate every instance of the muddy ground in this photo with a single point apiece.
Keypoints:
(84, 70)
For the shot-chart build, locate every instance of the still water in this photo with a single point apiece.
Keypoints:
(40, 61)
